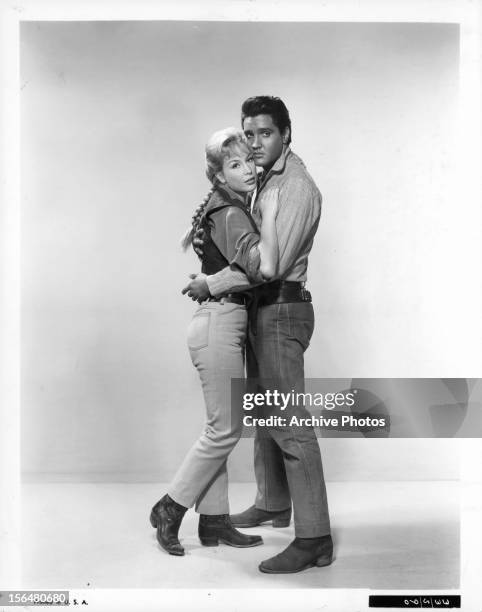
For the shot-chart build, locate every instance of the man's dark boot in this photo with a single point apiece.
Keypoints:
(252, 517)
(218, 528)
(300, 554)
(166, 517)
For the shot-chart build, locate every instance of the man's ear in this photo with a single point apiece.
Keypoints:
(286, 135)
(220, 177)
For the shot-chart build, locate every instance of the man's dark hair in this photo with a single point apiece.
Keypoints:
(268, 105)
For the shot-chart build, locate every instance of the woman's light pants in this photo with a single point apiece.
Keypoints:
(216, 339)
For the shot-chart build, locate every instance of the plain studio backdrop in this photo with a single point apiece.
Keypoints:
(114, 119)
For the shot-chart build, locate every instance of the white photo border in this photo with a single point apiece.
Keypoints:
(466, 13)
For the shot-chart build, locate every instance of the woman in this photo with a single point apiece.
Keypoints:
(216, 339)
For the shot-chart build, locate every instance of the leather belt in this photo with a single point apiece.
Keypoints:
(282, 292)
(232, 298)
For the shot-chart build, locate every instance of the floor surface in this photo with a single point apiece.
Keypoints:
(388, 535)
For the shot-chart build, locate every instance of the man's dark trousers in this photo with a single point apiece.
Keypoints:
(287, 459)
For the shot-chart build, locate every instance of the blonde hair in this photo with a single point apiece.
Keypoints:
(217, 149)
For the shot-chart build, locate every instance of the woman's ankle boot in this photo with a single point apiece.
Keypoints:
(166, 517)
(218, 528)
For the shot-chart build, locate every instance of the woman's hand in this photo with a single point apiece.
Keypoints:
(268, 203)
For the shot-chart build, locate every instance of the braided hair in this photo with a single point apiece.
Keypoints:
(186, 240)
(217, 148)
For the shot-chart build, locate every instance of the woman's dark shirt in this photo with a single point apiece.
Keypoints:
(231, 236)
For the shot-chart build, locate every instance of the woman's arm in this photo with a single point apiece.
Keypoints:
(246, 250)
(268, 243)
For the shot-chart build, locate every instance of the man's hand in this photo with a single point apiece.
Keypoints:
(197, 289)
(198, 242)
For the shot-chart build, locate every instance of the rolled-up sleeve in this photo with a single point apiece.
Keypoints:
(228, 280)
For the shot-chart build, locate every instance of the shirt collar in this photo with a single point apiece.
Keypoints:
(279, 165)
(230, 194)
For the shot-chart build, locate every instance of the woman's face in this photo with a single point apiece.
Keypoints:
(239, 170)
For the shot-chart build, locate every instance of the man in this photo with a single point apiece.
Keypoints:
(287, 458)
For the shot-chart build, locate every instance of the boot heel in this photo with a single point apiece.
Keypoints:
(210, 541)
(324, 560)
(281, 522)
(153, 520)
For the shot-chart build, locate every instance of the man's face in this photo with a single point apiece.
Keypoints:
(265, 139)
